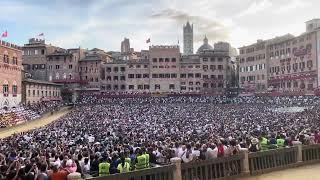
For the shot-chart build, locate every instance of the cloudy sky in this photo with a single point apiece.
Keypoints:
(104, 23)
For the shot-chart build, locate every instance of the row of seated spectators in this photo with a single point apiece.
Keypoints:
(21, 114)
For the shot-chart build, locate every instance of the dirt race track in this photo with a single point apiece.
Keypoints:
(308, 172)
(46, 119)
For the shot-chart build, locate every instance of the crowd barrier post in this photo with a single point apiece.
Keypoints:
(245, 161)
(299, 154)
(177, 172)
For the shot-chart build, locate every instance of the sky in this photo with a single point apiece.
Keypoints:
(105, 23)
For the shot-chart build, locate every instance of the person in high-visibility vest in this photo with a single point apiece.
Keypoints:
(104, 168)
(123, 166)
(264, 143)
(147, 157)
(140, 160)
(281, 141)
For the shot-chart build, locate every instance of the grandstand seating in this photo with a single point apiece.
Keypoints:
(14, 116)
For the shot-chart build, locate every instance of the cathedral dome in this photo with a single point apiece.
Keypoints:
(205, 46)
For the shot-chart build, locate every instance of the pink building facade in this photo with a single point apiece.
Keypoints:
(286, 65)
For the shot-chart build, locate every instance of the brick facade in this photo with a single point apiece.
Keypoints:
(10, 74)
(287, 64)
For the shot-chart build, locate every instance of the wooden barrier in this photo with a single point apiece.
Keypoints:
(311, 153)
(213, 169)
(157, 173)
(266, 161)
(227, 167)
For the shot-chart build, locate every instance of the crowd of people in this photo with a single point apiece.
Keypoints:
(17, 115)
(107, 135)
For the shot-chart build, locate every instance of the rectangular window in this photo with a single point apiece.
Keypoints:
(57, 66)
(183, 75)
(131, 87)
(145, 75)
(173, 60)
(140, 87)
(130, 76)
(5, 90)
(171, 86)
(115, 78)
(154, 75)
(122, 78)
(138, 76)
(6, 59)
(157, 86)
(154, 60)
(173, 75)
(213, 67)
(70, 66)
(146, 86)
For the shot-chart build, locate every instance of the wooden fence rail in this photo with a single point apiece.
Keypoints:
(228, 167)
(311, 153)
(266, 161)
(217, 169)
(158, 173)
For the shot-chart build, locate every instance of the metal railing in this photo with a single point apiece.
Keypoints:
(157, 173)
(311, 153)
(212, 169)
(266, 161)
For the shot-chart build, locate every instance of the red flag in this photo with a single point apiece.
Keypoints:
(41, 34)
(4, 34)
(148, 40)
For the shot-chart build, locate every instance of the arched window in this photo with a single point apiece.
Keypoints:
(5, 88)
(14, 89)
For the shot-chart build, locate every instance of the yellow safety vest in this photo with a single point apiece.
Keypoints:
(104, 169)
(125, 168)
(264, 144)
(280, 143)
(141, 164)
(147, 160)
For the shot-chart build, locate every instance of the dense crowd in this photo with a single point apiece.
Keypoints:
(104, 135)
(23, 113)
